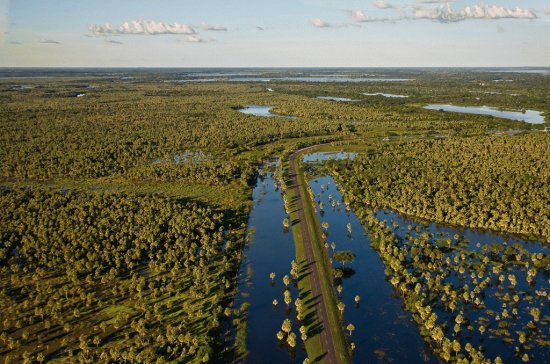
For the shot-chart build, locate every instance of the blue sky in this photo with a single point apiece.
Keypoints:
(264, 33)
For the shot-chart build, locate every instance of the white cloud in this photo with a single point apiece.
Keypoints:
(205, 26)
(193, 39)
(435, 1)
(359, 16)
(546, 10)
(382, 4)
(142, 27)
(318, 23)
(50, 41)
(14, 42)
(446, 14)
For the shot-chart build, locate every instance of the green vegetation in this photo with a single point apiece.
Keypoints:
(98, 276)
(124, 212)
(492, 182)
(322, 264)
(460, 293)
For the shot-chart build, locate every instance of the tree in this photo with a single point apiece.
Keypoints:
(341, 306)
(291, 340)
(287, 326)
(286, 280)
(344, 257)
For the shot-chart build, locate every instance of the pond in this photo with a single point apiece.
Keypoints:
(385, 95)
(259, 110)
(529, 116)
(270, 249)
(332, 98)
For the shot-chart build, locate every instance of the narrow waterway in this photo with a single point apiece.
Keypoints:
(270, 249)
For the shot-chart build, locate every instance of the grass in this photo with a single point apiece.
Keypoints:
(313, 347)
(313, 343)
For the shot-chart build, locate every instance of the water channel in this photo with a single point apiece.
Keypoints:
(384, 331)
(270, 249)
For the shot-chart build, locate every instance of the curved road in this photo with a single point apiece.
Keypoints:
(327, 343)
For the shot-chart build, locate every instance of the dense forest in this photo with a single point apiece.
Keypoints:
(492, 182)
(109, 277)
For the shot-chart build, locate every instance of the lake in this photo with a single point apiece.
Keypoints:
(529, 116)
(332, 98)
(290, 78)
(259, 110)
(385, 95)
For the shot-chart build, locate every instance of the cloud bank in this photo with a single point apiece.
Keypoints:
(142, 27)
(447, 14)
(442, 13)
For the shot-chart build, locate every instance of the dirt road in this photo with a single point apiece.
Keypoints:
(327, 342)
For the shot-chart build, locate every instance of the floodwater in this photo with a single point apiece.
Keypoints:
(384, 332)
(332, 98)
(290, 78)
(494, 295)
(324, 156)
(529, 116)
(385, 95)
(259, 110)
(270, 249)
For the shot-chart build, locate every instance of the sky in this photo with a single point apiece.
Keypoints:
(274, 33)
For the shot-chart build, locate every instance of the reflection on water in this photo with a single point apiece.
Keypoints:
(290, 78)
(259, 110)
(385, 95)
(332, 98)
(529, 116)
(323, 156)
(270, 249)
(384, 332)
(505, 289)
